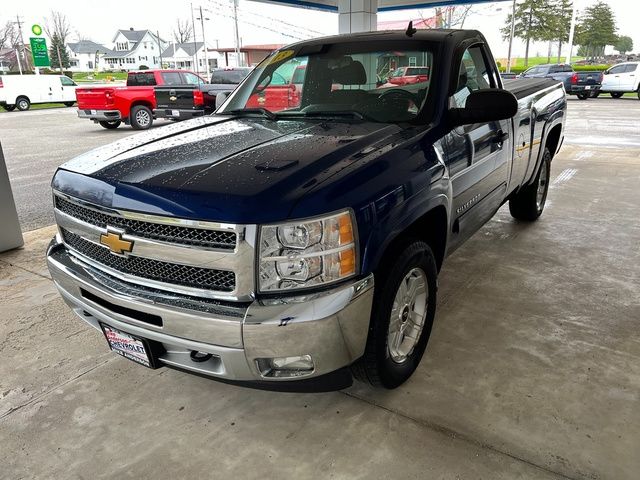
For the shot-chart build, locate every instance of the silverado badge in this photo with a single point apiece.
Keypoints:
(113, 239)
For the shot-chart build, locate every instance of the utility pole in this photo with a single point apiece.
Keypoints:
(204, 42)
(235, 21)
(20, 46)
(193, 29)
(572, 31)
(159, 47)
(511, 35)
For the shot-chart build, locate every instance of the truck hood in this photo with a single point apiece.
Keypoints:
(229, 169)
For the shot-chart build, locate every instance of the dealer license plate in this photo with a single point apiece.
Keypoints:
(127, 345)
(587, 87)
(175, 113)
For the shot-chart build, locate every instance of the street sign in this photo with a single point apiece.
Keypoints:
(36, 29)
(39, 52)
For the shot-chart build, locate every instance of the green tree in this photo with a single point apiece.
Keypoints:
(58, 54)
(596, 30)
(624, 44)
(562, 10)
(534, 19)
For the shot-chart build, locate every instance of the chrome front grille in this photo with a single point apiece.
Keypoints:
(156, 231)
(152, 269)
(185, 257)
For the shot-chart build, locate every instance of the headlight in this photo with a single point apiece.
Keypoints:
(308, 253)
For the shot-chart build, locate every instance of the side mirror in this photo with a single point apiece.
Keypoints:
(482, 106)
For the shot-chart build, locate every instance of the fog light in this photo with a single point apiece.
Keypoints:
(285, 366)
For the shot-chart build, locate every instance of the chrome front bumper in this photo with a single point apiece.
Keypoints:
(330, 326)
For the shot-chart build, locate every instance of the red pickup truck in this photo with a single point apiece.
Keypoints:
(132, 104)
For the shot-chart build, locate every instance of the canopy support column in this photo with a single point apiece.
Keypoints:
(357, 16)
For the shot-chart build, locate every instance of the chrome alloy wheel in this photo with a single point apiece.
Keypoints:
(143, 118)
(543, 181)
(407, 315)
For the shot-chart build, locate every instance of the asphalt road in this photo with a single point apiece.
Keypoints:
(37, 142)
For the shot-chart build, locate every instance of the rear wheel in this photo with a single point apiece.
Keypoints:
(9, 108)
(110, 125)
(529, 202)
(616, 94)
(23, 103)
(402, 316)
(69, 104)
(141, 117)
(583, 96)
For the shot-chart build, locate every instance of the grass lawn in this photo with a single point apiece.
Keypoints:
(98, 77)
(40, 106)
(542, 60)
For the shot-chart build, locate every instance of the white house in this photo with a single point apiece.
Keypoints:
(87, 56)
(183, 56)
(132, 49)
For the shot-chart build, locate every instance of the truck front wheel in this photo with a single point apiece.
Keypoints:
(141, 117)
(616, 94)
(584, 96)
(404, 306)
(529, 202)
(110, 125)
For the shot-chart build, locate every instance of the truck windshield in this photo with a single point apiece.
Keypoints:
(341, 80)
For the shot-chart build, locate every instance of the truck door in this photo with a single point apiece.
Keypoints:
(628, 77)
(478, 155)
(612, 76)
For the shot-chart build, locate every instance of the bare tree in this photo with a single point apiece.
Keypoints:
(9, 35)
(57, 24)
(183, 32)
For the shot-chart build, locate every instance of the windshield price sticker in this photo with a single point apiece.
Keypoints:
(281, 56)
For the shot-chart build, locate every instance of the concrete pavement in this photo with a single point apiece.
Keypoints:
(532, 370)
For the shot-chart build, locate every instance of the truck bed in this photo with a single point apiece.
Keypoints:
(523, 87)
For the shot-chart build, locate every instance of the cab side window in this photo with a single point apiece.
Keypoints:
(191, 79)
(631, 67)
(67, 82)
(474, 74)
(617, 69)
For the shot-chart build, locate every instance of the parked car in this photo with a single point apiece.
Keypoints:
(225, 80)
(293, 250)
(132, 104)
(22, 91)
(620, 79)
(581, 84)
(408, 75)
(184, 95)
(508, 76)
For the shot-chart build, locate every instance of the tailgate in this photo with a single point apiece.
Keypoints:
(176, 97)
(93, 98)
(589, 78)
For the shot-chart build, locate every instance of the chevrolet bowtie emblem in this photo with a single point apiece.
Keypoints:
(115, 242)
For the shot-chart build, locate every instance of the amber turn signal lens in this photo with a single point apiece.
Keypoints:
(347, 262)
(346, 229)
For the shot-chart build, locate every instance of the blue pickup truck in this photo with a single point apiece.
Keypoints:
(582, 84)
(298, 249)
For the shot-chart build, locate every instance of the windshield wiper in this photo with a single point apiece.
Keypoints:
(262, 111)
(340, 113)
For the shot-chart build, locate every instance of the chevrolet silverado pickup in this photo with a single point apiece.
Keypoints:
(294, 250)
(132, 104)
(582, 84)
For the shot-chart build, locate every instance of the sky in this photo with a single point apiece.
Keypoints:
(261, 23)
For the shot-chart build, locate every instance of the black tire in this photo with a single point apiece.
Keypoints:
(23, 103)
(583, 96)
(616, 94)
(110, 125)
(9, 108)
(141, 117)
(595, 94)
(69, 104)
(526, 205)
(377, 366)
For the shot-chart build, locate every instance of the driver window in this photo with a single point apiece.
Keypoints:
(473, 75)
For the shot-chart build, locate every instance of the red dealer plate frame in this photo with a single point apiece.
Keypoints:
(129, 346)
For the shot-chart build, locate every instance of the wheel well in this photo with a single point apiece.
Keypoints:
(141, 103)
(22, 96)
(430, 228)
(553, 139)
